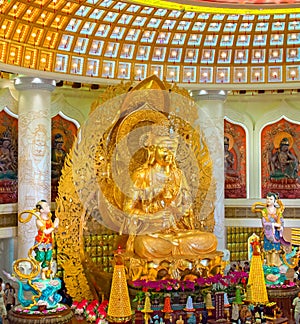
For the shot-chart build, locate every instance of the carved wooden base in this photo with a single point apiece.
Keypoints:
(283, 298)
(59, 317)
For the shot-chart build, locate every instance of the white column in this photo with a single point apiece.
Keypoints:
(34, 151)
(211, 121)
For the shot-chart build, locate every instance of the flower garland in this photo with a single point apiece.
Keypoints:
(282, 286)
(220, 282)
(22, 310)
(93, 311)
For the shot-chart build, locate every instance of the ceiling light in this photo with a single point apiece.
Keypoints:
(207, 54)
(190, 54)
(257, 55)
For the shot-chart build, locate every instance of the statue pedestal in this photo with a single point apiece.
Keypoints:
(283, 298)
(62, 315)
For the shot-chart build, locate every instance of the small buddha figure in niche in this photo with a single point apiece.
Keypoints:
(160, 192)
(8, 156)
(229, 162)
(58, 155)
(283, 163)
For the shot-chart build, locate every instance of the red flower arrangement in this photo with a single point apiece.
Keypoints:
(93, 311)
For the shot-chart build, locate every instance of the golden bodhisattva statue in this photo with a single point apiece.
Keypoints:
(148, 175)
(160, 191)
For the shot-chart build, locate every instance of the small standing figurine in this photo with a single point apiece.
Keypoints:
(245, 314)
(273, 224)
(44, 238)
(255, 246)
(147, 308)
(180, 320)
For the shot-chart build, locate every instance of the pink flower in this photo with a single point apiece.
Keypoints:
(74, 304)
(104, 303)
(90, 308)
(100, 321)
(60, 309)
(79, 310)
(91, 317)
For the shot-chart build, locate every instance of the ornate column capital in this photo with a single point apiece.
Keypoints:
(34, 83)
(209, 95)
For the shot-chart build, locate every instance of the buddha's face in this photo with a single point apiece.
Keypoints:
(284, 147)
(163, 155)
(165, 150)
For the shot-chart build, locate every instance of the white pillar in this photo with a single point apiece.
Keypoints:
(34, 151)
(211, 121)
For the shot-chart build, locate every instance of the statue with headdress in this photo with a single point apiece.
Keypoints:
(231, 174)
(277, 250)
(58, 155)
(161, 193)
(141, 168)
(35, 275)
(283, 163)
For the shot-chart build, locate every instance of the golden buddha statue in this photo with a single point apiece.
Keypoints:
(160, 197)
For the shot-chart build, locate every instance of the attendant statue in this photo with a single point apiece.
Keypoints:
(44, 239)
(38, 285)
(283, 163)
(273, 224)
(161, 195)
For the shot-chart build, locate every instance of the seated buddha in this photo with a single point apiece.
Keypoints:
(160, 198)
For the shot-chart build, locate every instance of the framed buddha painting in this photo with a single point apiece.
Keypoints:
(8, 158)
(280, 154)
(234, 160)
(63, 134)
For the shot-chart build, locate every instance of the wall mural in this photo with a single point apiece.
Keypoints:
(8, 158)
(63, 135)
(234, 160)
(280, 147)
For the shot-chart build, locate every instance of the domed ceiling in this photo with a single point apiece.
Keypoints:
(253, 42)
